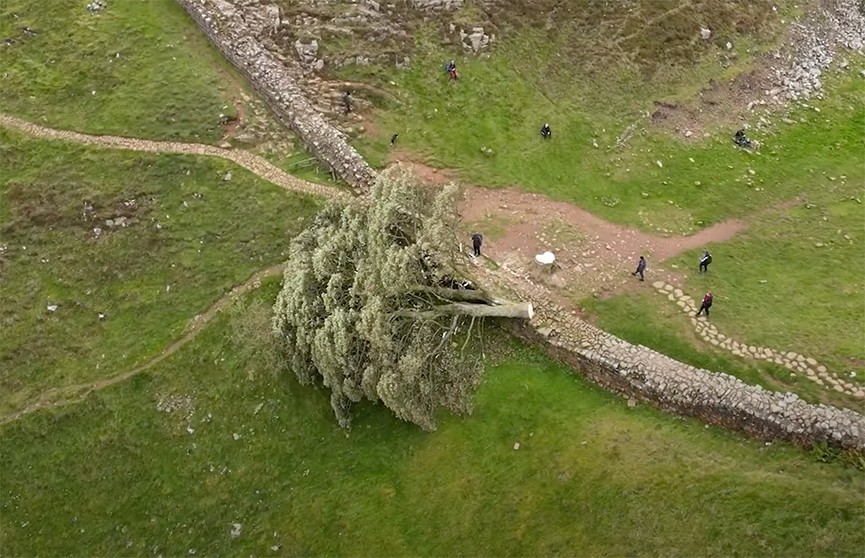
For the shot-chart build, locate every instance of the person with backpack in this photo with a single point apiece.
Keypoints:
(477, 240)
(641, 267)
(707, 303)
(705, 261)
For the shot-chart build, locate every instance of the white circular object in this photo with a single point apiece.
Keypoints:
(546, 258)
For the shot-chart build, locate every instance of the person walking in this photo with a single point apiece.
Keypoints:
(477, 240)
(546, 132)
(705, 261)
(707, 303)
(641, 267)
(346, 101)
(393, 139)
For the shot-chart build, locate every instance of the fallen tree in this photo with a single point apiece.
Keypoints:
(376, 306)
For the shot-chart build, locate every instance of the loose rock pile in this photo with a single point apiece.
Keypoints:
(816, 40)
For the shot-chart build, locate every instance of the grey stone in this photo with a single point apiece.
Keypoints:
(97, 6)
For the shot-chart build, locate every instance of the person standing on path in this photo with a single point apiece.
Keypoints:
(346, 101)
(707, 303)
(705, 261)
(477, 240)
(641, 267)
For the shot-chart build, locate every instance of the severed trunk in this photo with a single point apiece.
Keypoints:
(518, 310)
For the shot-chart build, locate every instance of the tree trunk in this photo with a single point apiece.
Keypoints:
(457, 295)
(518, 310)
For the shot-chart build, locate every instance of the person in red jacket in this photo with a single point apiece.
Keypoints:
(707, 303)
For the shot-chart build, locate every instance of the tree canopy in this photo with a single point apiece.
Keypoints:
(376, 306)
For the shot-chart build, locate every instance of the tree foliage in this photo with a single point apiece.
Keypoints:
(374, 305)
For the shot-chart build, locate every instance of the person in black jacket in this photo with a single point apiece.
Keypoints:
(546, 133)
(641, 267)
(477, 240)
(705, 261)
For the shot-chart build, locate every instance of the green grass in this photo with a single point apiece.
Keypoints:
(192, 237)
(303, 165)
(812, 298)
(591, 476)
(795, 280)
(500, 105)
(648, 319)
(137, 68)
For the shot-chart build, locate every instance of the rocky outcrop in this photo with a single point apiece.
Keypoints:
(814, 45)
(236, 34)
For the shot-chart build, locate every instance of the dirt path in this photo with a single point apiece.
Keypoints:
(76, 393)
(595, 256)
(253, 163)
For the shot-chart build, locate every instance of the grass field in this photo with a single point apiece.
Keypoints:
(190, 236)
(213, 451)
(794, 279)
(137, 68)
(496, 107)
(591, 475)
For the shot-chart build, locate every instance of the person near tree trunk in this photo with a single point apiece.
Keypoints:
(477, 241)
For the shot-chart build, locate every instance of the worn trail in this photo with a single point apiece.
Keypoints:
(66, 395)
(253, 163)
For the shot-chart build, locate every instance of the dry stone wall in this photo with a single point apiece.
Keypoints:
(640, 373)
(237, 40)
(717, 398)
